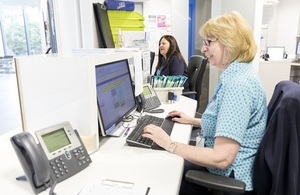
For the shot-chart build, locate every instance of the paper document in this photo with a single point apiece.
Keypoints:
(112, 187)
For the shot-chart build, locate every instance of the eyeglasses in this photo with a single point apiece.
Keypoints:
(207, 42)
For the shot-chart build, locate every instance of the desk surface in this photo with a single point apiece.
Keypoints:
(159, 170)
(295, 63)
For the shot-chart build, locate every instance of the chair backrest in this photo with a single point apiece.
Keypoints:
(200, 79)
(194, 67)
(276, 166)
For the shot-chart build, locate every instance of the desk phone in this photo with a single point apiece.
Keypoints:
(151, 99)
(59, 154)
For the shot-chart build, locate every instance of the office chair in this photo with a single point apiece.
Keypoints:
(276, 165)
(196, 69)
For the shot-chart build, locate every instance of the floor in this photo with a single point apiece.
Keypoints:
(9, 103)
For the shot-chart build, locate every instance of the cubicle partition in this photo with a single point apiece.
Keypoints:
(56, 88)
(272, 72)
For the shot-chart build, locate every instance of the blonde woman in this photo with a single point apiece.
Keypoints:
(235, 118)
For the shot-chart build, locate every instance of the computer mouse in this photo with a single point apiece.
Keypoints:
(170, 117)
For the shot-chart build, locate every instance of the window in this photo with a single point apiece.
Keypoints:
(22, 32)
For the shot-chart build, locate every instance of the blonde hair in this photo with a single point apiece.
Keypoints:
(232, 30)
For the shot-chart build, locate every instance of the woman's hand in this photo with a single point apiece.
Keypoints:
(183, 118)
(158, 135)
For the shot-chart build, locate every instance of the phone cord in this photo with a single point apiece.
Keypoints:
(51, 192)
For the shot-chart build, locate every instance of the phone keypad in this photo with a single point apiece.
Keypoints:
(59, 167)
(69, 163)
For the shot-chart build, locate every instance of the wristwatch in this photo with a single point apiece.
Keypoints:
(172, 147)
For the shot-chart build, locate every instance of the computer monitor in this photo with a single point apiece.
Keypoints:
(115, 95)
(298, 51)
(276, 52)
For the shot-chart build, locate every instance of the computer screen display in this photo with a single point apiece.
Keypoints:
(146, 90)
(276, 52)
(298, 49)
(115, 94)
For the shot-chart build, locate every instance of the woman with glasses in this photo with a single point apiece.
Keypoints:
(235, 118)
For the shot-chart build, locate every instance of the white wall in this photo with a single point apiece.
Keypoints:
(283, 21)
(177, 17)
(88, 23)
(287, 31)
(203, 12)
(67, 24)
(252, 11)
(180, 20)
(151, 8)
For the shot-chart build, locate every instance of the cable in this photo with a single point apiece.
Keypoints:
(48, 50)
(140, 115)
(128, 118)
(51, 192)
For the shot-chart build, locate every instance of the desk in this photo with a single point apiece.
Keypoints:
(295, 63)
(159, 170)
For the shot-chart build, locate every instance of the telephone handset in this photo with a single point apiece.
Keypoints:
(59, 155)
(35, 166)
(141, 102)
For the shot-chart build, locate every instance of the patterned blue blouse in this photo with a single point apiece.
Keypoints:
(238, 110)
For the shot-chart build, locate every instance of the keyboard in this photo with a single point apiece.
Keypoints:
(135, 137)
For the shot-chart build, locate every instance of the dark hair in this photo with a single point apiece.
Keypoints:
(173, 50)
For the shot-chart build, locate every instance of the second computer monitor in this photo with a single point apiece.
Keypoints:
(298, 51)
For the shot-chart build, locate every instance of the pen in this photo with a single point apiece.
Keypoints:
(126, 131)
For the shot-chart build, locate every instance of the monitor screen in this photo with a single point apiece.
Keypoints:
(298, 49)
(146, 90)
(115, 94)
(276, 52)
(60, 137)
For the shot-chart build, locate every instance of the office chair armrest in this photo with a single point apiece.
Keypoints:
(215, 182)
(198, 115)
(187, 93)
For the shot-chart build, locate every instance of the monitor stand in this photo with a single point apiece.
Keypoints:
(118, 130)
